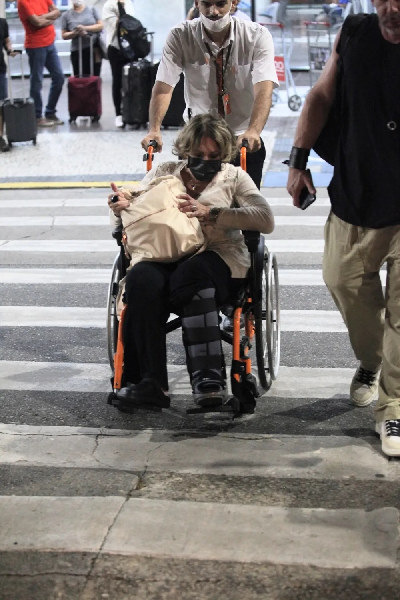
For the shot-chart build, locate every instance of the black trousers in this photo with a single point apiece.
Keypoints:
(85, 63)
(254, 163)
(117, 63)
(153, 290)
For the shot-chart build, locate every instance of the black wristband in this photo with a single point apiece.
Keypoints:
(298, 158)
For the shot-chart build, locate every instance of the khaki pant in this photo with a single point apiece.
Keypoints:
(352, 260)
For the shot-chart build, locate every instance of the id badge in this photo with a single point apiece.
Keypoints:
(227, 104)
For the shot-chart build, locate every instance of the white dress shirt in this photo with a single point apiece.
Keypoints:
(251, 61)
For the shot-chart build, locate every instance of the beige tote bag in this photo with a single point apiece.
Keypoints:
(154, 227)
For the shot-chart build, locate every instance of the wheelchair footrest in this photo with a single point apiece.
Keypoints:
(231, 406)
(128, 407)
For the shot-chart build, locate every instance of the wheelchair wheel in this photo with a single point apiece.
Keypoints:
(267, 318)
(112, 320)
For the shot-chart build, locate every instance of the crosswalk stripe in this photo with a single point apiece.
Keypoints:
(287, 277)
(100, 221)
(57, 316)
(72, 221)
(89, 202)
(201, 531)
(289, 202)
(57, 202)
(338, 457)
(54, 276)
(293, 382)
(62, 246)
(300, 221)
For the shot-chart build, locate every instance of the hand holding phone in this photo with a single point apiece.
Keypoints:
(306, 197)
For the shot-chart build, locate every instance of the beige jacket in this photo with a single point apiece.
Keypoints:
(243, 205)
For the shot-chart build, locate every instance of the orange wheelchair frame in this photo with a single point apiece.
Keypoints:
(258, 301)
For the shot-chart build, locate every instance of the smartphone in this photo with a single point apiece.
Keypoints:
(306, 198)
(114, 198)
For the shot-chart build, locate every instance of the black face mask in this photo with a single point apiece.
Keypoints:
(204, 170)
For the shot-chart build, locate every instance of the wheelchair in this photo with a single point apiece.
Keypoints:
(257, 301)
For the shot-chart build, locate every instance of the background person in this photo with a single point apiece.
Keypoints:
(110, 17)
(193, 13)
(5, 45)
(229, 70)
(236, 12)
(363, 229)
(81, 22)
(225, 200)
(37, 17)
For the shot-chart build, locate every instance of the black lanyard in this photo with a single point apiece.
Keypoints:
(224, 66)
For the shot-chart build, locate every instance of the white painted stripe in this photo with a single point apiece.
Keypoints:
(345, 539)
(321, 457)
(287, 277)
(56, 202)
(293, 382)
(46, 246)
(100, 221)
(303, 246)
(300, 221)
(57, 316)
(241, 533)
(73, 221)
(52, 316)
(54, 523)
(26, 221)
(289, 202)
(316, 321)
(54, 276)
(293, 246)
(87, 202)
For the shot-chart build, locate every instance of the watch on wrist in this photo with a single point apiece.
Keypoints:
(214, 213)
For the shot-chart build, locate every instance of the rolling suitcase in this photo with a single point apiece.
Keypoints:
(174, 115)
(84, 93)
(136, 93)
(19, 114)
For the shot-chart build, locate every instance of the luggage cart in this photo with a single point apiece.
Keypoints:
(283, 44)
(319, 41)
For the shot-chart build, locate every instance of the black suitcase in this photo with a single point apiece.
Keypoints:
(136, 93)
(19, 115)
(174, 115)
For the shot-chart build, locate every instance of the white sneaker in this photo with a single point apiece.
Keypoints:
(389, 432)
(364, 387)
(118, 121)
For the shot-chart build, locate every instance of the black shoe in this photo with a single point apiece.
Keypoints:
(209, 389)
(4, 146)
(146, 393)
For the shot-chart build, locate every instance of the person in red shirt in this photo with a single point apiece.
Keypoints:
(37, 17)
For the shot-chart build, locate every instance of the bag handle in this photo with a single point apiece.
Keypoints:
(121, 9)
(91, 58)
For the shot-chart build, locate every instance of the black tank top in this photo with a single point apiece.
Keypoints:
(365, 189)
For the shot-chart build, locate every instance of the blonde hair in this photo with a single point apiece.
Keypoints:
(211, 126)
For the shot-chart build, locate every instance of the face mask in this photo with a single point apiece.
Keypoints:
(204, 170)
(78, 2)
(215, 26)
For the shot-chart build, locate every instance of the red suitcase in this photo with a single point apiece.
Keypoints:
(84, 93)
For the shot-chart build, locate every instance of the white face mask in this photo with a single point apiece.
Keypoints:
(215, 26)
(78, 2)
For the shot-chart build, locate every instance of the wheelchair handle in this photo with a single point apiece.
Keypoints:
(243, 153)
(149, 155)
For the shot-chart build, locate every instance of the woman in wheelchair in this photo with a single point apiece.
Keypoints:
(225, 200)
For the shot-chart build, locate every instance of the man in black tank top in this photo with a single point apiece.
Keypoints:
(361, 83)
